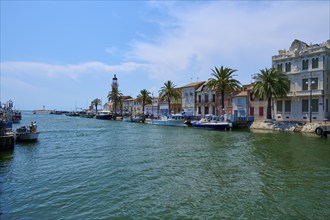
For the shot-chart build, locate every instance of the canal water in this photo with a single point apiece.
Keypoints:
(92, 169)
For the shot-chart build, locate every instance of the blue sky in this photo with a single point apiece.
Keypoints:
(63, 54)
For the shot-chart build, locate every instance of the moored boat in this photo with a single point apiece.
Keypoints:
(27, 133)
(103, 115)
(16, 116)
(72, 114)
(136, 118)
(212, 122)
(172, 120)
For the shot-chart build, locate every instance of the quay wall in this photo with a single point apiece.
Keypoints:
(287, 126)
(7, 142)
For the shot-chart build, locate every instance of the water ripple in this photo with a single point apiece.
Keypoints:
(91, 169)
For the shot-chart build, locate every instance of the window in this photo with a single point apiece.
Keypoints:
(206, 110)
(206, 98)
(199, 110)
(251, 111)
(213, 98)
(327, 105)
(199, 98)
(305, 64)
(239, 101)
(315, 105)
(261, 111)
(305, 84)
(280, 67)
(315, 82)
(213, 110)
(289, 85)
(304, 105)
(315, 63)
(287, 106)
(279, 107)
(288, 67)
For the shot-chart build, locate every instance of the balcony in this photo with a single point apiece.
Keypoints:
(305, 93)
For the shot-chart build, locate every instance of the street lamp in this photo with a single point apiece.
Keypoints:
(152, 107)
(310, 83)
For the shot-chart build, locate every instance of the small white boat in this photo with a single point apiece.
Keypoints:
(104, 115)
(172, 120)
(212, 122)
(27, 133)
(135, 119)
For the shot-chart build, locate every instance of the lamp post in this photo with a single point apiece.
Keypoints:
(152, 107)
(310, 83)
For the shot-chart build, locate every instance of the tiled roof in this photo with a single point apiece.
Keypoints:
(242, 93)
(193, 84)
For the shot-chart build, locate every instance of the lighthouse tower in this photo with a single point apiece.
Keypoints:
(114, 82)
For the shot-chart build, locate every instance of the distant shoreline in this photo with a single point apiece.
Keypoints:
(41, 111)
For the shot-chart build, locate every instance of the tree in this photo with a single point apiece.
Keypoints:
(96, 102)
(270, 83)
(223, 81)
(144, 97)
(114, 96)
(167, 92)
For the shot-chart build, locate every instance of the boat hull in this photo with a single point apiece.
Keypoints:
(27, 136)
(103, 117)
(212, 126)
(178, 123)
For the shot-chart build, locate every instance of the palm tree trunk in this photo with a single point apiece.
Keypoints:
(169, 106)
(269, 108)
(115, 110)
(222, 101)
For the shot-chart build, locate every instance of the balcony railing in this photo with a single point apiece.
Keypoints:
(305, 93)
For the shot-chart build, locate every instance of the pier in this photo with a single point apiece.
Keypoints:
(7, 142)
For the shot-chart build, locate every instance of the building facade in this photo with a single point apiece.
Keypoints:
(153, 108)
(308, 69)
(246, 104)
(189, 96)
(205, 101)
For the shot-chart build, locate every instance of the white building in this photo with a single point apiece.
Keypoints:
(189, 96)
(205, 101)
(308, 68)
(153, 108)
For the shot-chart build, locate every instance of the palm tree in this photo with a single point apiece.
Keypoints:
(167, 92)
(96, 102)
(270, 83)
(144, 97)
(223, 81)
(114, 96)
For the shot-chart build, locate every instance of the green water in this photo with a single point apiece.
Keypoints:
(92, 169)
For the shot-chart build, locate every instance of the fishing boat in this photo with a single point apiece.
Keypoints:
(172, 120)
(212, 122)
(135, 118)
(16, 116)
(103, 115)
(72, 114)
(87, 114)
(27, 133)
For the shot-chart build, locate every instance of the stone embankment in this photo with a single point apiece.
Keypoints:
(287, 126)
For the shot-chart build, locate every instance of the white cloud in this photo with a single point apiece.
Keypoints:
(73, 71)
(234, 34)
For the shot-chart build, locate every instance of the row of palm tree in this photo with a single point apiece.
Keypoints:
(268, 83)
